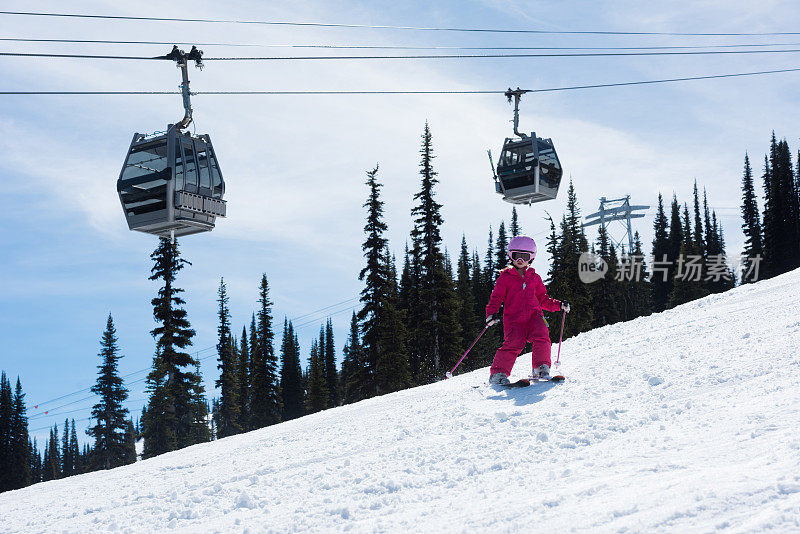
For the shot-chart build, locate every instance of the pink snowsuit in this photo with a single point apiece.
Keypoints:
(523, 321)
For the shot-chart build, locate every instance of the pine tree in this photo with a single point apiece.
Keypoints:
(353, 367)
(606, 292)
(317, 393)
(674, 241)
(54, 455)
(385, 358)
(291, 375)
(751, 224)
(501, 246)
(661, 283)
(74, 449)
(174, 383)
(408, 303)
(67, 460)
(109, 412)
(228, 422)
(392, 369)
(36, 462)
(254, 358)
(6, 418)
(773, 216)
(516, 229)
(565, 283)
(467, 317)
(331, 374)
(265, 404)
(636, 285)
(129, 455)
(438, 330)
(242, 373)
(19, 452)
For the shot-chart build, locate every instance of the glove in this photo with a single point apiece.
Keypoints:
(565, 306)
(492, 319)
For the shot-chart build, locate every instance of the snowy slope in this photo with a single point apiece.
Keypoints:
(687, 420)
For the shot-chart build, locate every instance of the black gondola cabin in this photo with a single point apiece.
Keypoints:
(171, 184)
(528, 170)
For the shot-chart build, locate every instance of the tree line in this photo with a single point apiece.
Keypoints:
(412, 325)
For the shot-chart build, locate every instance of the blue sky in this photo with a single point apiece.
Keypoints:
(295, 166)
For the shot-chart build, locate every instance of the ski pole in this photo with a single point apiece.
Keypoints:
(560, 337)
(449, 374)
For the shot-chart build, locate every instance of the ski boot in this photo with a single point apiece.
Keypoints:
(499, 379)
(542, 372)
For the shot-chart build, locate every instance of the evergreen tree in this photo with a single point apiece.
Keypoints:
(317, 399)
(74, 449)
(516, 229)
(607, 295)
(109, 412)
(36, 462)
(501, 246)
(636, 287)
(174, 383)
(47, 472)
(129, 456)
(698, 241)
(19, 475)
(661, 284)
(242, 368)
(254, 358)
(780, 225)
(228, 422)
(688, 280)
(565, 283)
(67, 460)
(381, 321)
(467, 317)
(6, 418)
(438, 333)
(54, 455)
(292, 394)
(674, 241)
(751, 223)
(265, 404)
(408, 302)
(331, 374)
(392, 372)
(353, 367)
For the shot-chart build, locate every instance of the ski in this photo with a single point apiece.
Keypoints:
(518, 384)
(554, 378)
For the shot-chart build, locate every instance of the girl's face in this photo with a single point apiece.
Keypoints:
(520, 259)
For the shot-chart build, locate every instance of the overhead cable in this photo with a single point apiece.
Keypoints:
(381, 92)
(393, 47)
(389, 27)
(416, 56)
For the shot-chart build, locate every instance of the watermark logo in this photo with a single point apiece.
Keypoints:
(591, 268)
(688, 268)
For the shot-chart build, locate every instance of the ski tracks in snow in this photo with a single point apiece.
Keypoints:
(682, 421)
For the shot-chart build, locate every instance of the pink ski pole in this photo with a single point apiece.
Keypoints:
(560, 337)
(449, 374)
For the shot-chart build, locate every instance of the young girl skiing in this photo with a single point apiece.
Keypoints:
(524, 296)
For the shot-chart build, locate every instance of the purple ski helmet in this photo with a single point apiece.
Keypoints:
(522, 243)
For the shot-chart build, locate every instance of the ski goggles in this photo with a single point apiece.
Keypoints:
(520, 255)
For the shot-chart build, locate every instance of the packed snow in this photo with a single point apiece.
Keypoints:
(688, 420)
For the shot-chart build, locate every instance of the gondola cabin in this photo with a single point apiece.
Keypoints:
(171, 184)
(528, 170)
